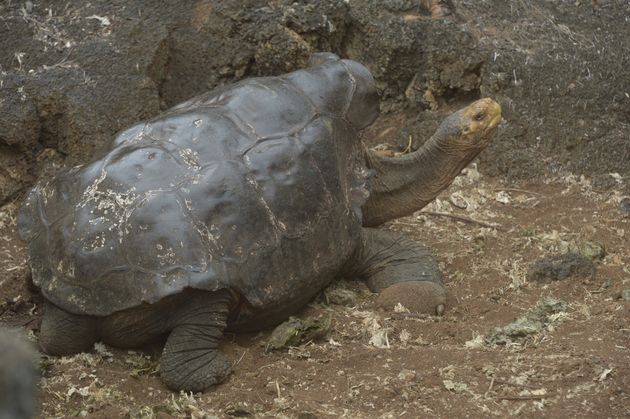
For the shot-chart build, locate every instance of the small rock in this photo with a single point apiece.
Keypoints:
(455, 386)
(457, 200)
(624, 207)
(407, 375)
(554, 268)
(475, 343)
(625, 295)
(379, 338)
(548, 306)
(606, 181)
(399, 308)
(295, 331)
(521, 328)
(471, 173)
(238, 411)
(503, 197)
(103, 20)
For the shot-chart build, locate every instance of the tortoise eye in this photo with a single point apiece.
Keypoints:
(480, 116)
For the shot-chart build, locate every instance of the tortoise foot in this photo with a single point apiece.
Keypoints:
(64, 333)
(195, 370)
(416, 296)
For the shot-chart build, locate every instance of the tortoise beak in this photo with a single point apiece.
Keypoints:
(494, 112)
(481, 118)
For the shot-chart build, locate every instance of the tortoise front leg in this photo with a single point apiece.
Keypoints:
(64, 333)
(401, 270)
(191, 360)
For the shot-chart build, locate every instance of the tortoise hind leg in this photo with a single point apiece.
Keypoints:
(191, 360)
(64, 333)
(401, 270)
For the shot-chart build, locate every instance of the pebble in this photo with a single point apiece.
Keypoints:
(624, 207)
(407, 375)
(503, 197)
(457, 200)
(554, 268)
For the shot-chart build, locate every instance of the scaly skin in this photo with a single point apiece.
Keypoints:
(400, 270)
(193, 322)
(405, 184)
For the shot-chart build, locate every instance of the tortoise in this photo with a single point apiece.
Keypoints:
(234, 209)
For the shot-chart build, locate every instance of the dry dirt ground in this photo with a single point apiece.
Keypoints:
(375, 364)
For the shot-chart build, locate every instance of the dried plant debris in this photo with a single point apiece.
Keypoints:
(547, 314)
(456, 387)
(341, 296)
(376, 329)
(296, 331)
(554, 268)
(141, 364)
(590, 249)
(178, 405)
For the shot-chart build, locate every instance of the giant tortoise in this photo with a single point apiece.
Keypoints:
(234, 209)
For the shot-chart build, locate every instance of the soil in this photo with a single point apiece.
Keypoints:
(554, 178)
(428, 366)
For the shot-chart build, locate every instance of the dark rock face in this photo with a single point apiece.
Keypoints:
(565, 100)
(73, 75)
(419, 61)
(18, 377)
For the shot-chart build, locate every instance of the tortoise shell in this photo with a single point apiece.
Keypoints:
(255, 187)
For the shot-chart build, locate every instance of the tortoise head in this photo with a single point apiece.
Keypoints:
(470, 129)
(407, 183)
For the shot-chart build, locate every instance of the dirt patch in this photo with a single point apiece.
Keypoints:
(375, 363)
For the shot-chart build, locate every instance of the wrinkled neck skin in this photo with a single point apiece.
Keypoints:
(405, 184)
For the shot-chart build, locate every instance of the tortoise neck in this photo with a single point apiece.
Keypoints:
(405, 184)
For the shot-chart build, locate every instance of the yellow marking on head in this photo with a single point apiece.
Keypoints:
(483, 115)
